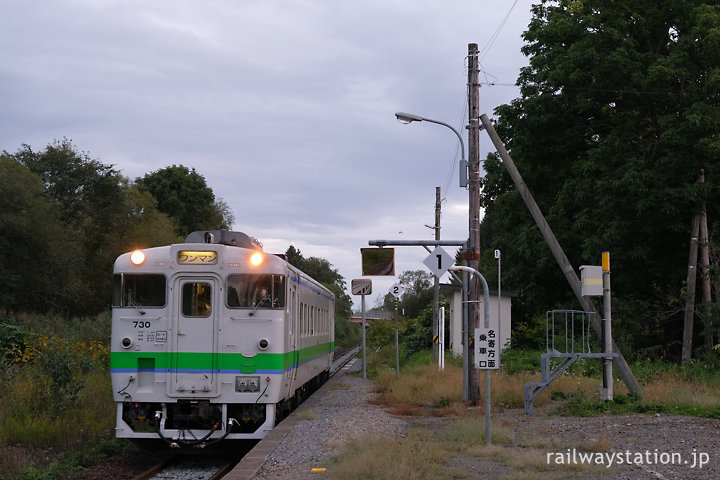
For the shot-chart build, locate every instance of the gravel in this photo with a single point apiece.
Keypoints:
(340, 411)
(658, 446)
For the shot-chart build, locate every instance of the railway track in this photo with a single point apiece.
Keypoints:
(187, 467)
(214, 467)
(340, 359)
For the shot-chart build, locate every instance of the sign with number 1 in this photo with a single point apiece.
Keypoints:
(439, 261)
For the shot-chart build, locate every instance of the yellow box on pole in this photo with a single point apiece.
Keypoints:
(606, 261)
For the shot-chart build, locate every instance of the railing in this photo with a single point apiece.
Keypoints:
(569, 330)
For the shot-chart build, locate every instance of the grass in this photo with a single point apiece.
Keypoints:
(422, 389)
(378, 457)
(516, 451)
(55, 396)
(450, 451)
(57, 414)
(308, 414)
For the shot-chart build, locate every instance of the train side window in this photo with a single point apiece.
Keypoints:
(139, 290)
(196, 299)
(303, 320)
(255, 291)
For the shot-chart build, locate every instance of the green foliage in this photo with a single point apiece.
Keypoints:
(418, 286)
(417, 334)
(518, 360)
(35, 245)
(183, 195)
(580, 406)
(73, 463)
(323, 271)
(618, 115)
(346, 334)
(55, 395)
(64, 218)
(12, 337)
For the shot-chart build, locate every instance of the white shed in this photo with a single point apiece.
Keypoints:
(453, 296)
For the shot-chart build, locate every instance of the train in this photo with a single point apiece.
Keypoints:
(214, 339)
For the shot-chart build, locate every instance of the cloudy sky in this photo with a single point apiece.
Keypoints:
(285, 107)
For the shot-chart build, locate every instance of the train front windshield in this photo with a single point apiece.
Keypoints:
(139, 290)
(256, 291)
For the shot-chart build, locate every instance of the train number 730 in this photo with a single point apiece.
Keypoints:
(141, 324)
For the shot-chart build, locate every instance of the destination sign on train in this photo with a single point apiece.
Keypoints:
(194, 257)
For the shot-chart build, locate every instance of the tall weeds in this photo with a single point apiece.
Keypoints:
(422, 389)
(55, 393)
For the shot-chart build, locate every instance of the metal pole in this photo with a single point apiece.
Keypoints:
(607, 330)
(364, 356)
(409, 117)
(441, 325)
(436, 283)
(397, 342)
(500, 337)
(465, 338)
(486, 308)
(488, 428)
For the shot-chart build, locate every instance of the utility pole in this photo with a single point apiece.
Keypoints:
(436, 296)
(704, 274)
(705, 277)
(472, 255)
(688, 323)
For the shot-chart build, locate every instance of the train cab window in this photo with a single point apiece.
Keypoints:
(256, 291)
(139, 290)
(196, 299)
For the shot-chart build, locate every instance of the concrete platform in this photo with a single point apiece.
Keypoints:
(256, 458)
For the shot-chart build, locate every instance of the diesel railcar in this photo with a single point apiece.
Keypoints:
(214, 339)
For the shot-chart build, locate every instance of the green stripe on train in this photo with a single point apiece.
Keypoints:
(221, 361)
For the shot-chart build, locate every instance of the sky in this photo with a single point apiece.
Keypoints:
(285, 107)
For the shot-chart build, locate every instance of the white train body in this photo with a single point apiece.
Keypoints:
(214, 339)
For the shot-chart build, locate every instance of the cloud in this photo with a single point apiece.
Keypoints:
(286, 107)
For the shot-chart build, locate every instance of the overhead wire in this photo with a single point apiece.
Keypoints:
(486, 49)
(464, 117)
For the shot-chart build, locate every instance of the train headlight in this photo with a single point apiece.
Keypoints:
(263, 344)
(126, 342)
(247, 384)
(137, 257)
(256, 259)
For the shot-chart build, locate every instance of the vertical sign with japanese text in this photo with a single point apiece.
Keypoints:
(487, 349)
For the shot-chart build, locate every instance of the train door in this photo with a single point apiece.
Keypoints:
(293, 326)
(194, 360)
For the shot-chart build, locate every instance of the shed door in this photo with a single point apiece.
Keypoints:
(195, 352)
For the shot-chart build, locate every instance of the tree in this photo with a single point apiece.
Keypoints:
(142, 225)
(619, 113)
(418, 292)
(89, 197)
(322, 271)
(184, 196)
(35, 248)
(66, 218)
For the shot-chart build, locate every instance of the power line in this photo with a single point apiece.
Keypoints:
(486, 49)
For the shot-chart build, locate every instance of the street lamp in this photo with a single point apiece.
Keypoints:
(469, 377)
(409, 118)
